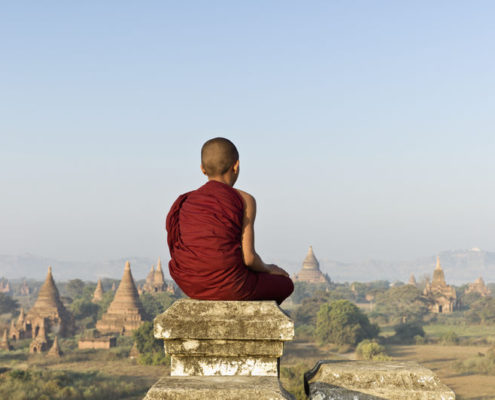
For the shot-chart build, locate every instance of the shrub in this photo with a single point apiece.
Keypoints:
(406, 333)
(305, 332)
(343, 323)
(371, 350)
(449, 338)
(150, 349)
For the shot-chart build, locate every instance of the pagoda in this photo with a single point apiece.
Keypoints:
(125, 313)
(49, 310)
(4, 343)
(478, 286)
(443, 296)
(55, 351)
(98, 294)
(18, 328)
(155, 282)
(412, 281)
(310, 271)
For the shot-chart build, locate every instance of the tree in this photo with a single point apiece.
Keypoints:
(407, 333)
(150, 349)
(403, 304)
(482, 311)
(155, 304)
(342, 322)
(75, 288)
(7, 304)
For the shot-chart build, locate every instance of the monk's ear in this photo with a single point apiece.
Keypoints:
(235, 167)
(203, 170)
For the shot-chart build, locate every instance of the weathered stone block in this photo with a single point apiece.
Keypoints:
(366, 380)
(209, 366)
(206, 338)
(217, 388)
(243, 320)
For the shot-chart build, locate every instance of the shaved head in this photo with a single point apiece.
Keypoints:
(218, 155)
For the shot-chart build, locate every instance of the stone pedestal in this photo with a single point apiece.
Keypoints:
(222, 350)
(368, 380)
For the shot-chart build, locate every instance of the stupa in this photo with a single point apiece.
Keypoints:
(25, 290)
(443, 296)
(478, 286)
(55, 349)
(49, 310)
(4, 344)
(98, 294)
(18, 328)
(125, 313)
(155, 282)
(5, 286)
(412, 280)
(310, 271)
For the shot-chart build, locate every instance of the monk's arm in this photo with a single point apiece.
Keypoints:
(251, 259)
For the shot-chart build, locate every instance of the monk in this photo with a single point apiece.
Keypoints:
(211, 237)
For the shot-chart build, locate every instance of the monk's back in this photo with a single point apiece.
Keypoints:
(205, 228)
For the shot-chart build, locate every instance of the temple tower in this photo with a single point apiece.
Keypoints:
(55, 349)
(412, 280)
(159, 280)
(4, 344)
(443, 296)
(478, 286)
(98, 294)
(49, 307)
(125, 313)
(310, 271)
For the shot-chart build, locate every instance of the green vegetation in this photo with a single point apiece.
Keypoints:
(483, 364)
(37, 384)
(408, 333)
(371, 350)
(155, 304)
(293, 379)
(343, 323)
(7, 304)
(150, 349)
(400, 304)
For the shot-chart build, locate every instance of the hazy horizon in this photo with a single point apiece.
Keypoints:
(364, 129)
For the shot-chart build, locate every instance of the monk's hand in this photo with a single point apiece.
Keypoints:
(276, 270)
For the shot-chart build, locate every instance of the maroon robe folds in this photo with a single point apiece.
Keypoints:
(204, 237)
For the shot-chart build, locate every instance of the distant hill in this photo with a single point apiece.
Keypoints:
(460, 266)
(35, 267)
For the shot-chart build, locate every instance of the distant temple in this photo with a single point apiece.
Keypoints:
(412, 281)
(125, 313)
(48, 311)
(18, 328)
(310, 271)
(24, 289)
(443, 296)
(478, 286)
(98, 294)
(4, 343)
(155, 282)
(5, 286)
(55, 349)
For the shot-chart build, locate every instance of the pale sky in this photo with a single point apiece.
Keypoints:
(364, 128)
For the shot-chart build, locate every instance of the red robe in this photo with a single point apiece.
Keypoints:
(204, 238)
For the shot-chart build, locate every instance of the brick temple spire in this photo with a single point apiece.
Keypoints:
(310, 271)
(125, 313)
(49, 306)
(98, 294)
